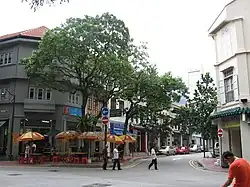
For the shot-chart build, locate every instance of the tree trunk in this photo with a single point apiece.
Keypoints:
(213, 142)
(204, 148)
(125, 125)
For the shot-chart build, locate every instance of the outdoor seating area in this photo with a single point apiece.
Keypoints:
(30, 155)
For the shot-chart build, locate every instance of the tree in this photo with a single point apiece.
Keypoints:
(203, 105)
(88, 56)
(183, 120)
(35, 4)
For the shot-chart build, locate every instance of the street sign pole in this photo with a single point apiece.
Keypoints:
(105, 120)
(220, 135)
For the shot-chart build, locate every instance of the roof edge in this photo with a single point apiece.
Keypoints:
(220, 14)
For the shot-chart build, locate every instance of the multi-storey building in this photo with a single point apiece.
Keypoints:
(230, 31)
(22, 103)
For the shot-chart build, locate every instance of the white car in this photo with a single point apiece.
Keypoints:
(167, 150)
(195, 148)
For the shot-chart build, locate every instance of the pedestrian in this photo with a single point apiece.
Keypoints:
(239, 169)
(105, 157)
(154, 159)
(27, 151)
(116, 159)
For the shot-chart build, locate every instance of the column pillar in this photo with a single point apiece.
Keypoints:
(245, 138)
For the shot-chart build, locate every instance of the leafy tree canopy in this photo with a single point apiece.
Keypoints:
(204, 104)
(83, 55)
(35, 4)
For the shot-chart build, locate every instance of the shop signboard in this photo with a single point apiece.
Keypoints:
(72, 111)
(116, 128)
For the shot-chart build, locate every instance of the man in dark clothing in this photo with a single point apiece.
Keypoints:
(105, 158)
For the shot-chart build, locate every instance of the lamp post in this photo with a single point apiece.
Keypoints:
(3, 95)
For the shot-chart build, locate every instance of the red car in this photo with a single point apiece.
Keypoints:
(182, 150)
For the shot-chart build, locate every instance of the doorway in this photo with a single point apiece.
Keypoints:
(3, 137)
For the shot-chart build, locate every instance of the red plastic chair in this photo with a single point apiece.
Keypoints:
(56, 159)
(84, 160)
(22, 160)
(76, 160)
(31, 160)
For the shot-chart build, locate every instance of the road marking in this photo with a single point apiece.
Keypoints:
(178, 158)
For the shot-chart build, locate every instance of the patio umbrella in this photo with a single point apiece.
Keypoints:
(127, 138)
(68, 135)
(90, 136)
(29, 136)
(114, 139)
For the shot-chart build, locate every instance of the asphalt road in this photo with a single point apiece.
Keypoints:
(174, 171)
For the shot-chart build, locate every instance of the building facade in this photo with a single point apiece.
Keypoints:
(230, 32)
(23, 104)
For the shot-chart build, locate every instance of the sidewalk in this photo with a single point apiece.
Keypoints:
(125, 162)
(208, 164)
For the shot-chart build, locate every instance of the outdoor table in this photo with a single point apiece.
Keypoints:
(80, 154)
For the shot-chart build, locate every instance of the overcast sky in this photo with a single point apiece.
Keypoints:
(176, 31)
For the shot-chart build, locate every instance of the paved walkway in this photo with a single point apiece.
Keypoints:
(209, 164)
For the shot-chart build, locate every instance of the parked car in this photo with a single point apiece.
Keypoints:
(182, 150)
(195, 148)
(167, 150)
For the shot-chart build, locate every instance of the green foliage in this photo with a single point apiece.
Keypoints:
(154, 97)
(89, 55)
(35, 4)
(203, 105)
(86, 123)
(183, 120)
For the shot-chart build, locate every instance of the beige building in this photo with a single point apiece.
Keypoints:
(231, 33)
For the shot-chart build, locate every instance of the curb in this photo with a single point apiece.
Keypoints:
(201, 167)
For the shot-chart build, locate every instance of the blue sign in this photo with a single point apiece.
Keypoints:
(72, 111)
(116, 128)
(105, 111)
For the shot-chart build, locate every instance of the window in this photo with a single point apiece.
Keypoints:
(32, 93)
(121, 105)
(113, 103)
(228, 85)
(48, 94)
(5, 58)
(40, 94)
(77, 98)
(74, 98)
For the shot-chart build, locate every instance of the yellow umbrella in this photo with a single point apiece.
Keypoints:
(114, 139)
(127, 138)
(67, 135)
(90, 136)
(29, 136)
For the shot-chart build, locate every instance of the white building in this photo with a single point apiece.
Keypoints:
(231, 33)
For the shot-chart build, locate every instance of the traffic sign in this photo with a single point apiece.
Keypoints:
(105, 120)
(220, 132)
(105, 112)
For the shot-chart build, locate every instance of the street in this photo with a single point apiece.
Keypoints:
(174, 171)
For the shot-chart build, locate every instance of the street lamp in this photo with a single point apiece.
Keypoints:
(3, 95)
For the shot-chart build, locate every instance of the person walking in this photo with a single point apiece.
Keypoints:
(239, 169)
(154, 159)
(116, 159)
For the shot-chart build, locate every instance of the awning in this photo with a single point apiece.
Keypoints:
(231, 112)
(2, 123)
